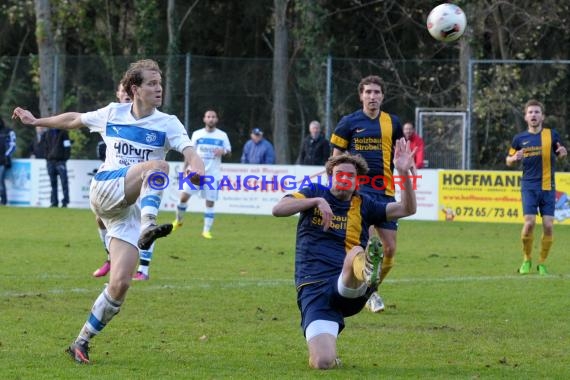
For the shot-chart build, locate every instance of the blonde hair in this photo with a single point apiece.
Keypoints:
(134, 74)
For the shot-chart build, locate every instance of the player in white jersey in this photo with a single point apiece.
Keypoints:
(145, 255)
(122, 97)
(137, 137)
(211, 144)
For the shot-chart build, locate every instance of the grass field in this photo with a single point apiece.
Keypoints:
(226, 308)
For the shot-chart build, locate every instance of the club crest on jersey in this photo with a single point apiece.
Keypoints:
(150, 137)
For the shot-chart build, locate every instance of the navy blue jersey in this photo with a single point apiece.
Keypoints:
(374, 140)
(539, 158)
(320, 254)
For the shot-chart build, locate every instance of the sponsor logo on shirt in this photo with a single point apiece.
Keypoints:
(150, 137)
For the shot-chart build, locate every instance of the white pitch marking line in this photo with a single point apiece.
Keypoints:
(207, 284)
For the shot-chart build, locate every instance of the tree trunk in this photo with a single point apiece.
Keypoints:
(46, 53)
(501, 38)
(280, 74)
(172, 51)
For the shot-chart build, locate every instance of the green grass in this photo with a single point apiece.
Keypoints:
(226, 308)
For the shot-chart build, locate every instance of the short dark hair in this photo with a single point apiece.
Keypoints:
(371, 79)
(346, 158)
(134, 74)
(533, 102)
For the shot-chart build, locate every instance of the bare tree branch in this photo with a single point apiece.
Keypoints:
(186, 15)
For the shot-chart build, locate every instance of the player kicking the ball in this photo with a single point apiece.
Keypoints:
(334, 274)
(141, 136)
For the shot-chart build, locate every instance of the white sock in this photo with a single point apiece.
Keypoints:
(150, 203)
(144, 260)
(103, 310)
(208, 219)
(347, 292)
(181, 210)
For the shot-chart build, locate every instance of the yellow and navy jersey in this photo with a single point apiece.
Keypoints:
(320, 254)
(539, 158)
(374, 140)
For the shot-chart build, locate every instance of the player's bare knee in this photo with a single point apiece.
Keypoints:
(322, 361)
(158, 166)
(326, 363)
(118, 288)
(528, 228)
(156, 176)
(389, 250)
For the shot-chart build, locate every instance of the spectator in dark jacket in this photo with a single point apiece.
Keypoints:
(7, 148)
(58, 150)
(316, 148)
(38, 146)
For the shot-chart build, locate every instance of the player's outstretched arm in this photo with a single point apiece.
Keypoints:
(404, 163)
(67, 120)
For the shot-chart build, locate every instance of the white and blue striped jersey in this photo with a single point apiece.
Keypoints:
(205, 142)
(130, 141)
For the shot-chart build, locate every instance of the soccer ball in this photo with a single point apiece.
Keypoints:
(446, 22)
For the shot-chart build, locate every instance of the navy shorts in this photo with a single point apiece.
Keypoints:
(380, 197)
(321, 300)
(538, 201)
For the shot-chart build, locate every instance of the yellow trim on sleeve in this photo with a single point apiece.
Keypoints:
(339, 141)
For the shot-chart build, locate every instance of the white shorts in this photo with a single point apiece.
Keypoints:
(209, 192)
(107, 198)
